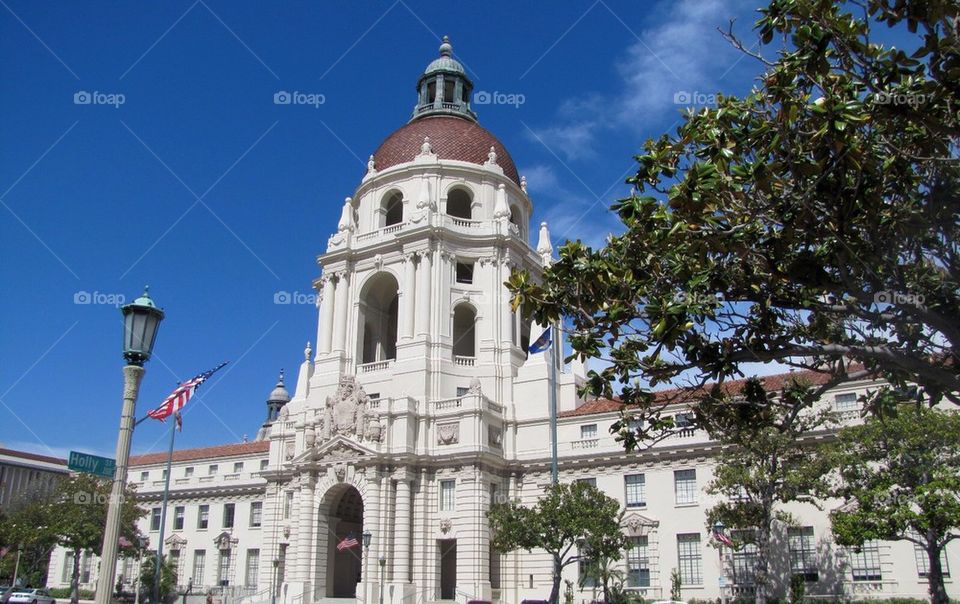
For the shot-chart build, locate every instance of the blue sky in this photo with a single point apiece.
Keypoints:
(198, 184)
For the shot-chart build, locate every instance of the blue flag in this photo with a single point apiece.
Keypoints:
(542, 343)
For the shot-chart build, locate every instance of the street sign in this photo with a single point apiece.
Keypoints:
(91, 464)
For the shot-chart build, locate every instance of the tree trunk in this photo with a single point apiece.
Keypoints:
(938, 593)
(75, 579)
(762, 569)
(555, 591)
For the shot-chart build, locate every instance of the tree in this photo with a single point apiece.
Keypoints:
(814, 222)
(568, 518)
(899, 475)
(602, 571)
(25, 526)
(78, 513)
(767, 459)
(168, 576)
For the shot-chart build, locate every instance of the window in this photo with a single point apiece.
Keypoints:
(462, 391)
(391, 209)
(144, 476)
(865, 563)
(923, 561)
(638, 562)
(199, 560)
(85, 564)
(683, 421)
(223, 568)
(685, 486)
(803, 553)
(459, 204)
(464, 331)
(253, 567)
(163, 475)
(256, 513)
(379, 305)
(690, 559)
(155, 519)
(188, 471)
(203, 516)
(583, 564)
(174, 558)
(590, 481)
(237, 467)
(744, 558)
(68, 567)
(229, 509)
(635, 490)
(178, 514)
(264, 463)
(447, 489)
(465, 272)
(846, 402)
(588, 431)
(212, 469)
(288, 505)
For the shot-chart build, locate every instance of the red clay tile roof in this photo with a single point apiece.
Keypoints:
(260, 446)
(772, 383)
(451, 138)
(33, 456)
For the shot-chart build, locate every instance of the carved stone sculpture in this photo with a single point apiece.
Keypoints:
(448, 434)
(345, 411)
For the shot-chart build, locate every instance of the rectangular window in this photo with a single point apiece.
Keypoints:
(144, 476)
(85, 564)
(288, 505)
(163, 475)
(865, 563)
(462, 391)
(803, 552)
(635, 490)
(923, 562)
(223, 568)
(583, 563)
(846, 402)
(188, 471)
(178, 514)
(199, 560)
(203, 516)
(256, 513)
(229, 509)
(264, 463)
(465, 272)
(683, 420)
(68, 567)
(744, 558)
(590, 481)
(447, 490)
(237, 467)
(253, 567)
(155, 519)
(690, 559)
(685, 486)
(212, 469)
(638, 562)
(174, 558)
(588, 431)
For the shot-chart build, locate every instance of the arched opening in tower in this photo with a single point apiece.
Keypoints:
(464, 331)
(458, 204)
(391, 209)
(378, 319)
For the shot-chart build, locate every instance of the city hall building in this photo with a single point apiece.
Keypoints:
(419, 407)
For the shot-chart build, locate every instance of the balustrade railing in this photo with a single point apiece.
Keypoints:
(375, 366)
(464, 361)
(587, 443)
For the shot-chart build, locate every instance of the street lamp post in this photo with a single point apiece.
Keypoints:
(718, 530)
(141, 319)
(367, 537)
(273, 581)
(383, 566)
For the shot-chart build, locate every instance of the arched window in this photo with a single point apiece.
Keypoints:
(458, 204)
(448, 88)
(378, 318)
(391, 209)
(464, 331)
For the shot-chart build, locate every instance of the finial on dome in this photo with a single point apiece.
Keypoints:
(492, 156)
(371, 165)
(280, 380)
(307, 351)
(446, 49)
(425, 148)
(523, 184)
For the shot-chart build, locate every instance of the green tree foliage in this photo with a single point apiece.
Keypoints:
(814, 221)
(767, 459)
(568, 519)
(899, 474)
(168, 577)
(25, 526)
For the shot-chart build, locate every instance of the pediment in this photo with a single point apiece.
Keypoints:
(225, 540)
(638, 524)
(175, 541)
(339, 449)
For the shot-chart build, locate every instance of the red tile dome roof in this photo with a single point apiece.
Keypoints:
(450, 137)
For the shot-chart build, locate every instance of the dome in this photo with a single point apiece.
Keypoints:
(444, 64)
(279, 393)
(450, 137)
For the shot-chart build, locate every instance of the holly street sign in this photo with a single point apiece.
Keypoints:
(91, 464)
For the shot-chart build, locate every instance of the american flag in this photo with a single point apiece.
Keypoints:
(722, 538)
(348, 542)
(179, 397)
(124, 542)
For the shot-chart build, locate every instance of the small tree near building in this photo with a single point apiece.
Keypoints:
(899, 476)
(568, 519)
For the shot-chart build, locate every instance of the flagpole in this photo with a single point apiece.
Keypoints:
(554, 466)
(163, 514)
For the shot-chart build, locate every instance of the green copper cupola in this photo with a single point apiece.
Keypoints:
(444, 88)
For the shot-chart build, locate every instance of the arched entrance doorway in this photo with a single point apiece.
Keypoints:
(344, 541)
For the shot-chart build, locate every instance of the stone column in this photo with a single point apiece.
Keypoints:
(326, 315)
(506, 314)
(372, 511)
(423, 294)
(342, 313)
(305, 531)
(409, 288)
(401, 544)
